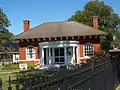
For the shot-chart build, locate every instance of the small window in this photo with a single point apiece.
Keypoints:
(30, 52)
(89, 49)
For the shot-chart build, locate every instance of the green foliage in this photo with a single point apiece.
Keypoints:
(5, 36)
(106, 42)
(116, 42)
(30, 65)
(11, 66)
(107, 18)
(4, 22)
(6, 52)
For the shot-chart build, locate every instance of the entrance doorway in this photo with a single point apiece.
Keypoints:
(59, 55)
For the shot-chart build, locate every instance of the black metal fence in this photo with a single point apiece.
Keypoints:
(92, 76)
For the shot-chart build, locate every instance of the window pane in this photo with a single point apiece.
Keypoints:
(69, 51)
(61, 51)
(62, 59)
(56, 51)
(51, 51)
(89, 50)
(30, 52)
(56, 59)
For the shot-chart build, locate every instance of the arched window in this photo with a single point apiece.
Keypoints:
(30, 52)
(89, 49)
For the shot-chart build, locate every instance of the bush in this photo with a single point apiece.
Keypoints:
(11, 66)
(30, 65)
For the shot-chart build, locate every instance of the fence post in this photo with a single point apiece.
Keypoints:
(9, 88)
(92, 64)
(25, 83)
(17, 83)
(0, 83)
(63, 73)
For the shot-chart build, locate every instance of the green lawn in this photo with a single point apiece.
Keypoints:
(5, 73)
(5, 79)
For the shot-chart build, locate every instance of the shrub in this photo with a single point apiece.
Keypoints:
(30, 65)
(11, 66)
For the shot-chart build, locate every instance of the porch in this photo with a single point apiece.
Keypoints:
(58, 53)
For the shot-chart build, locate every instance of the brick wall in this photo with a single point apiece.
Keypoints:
(93, 40)
(22, 48)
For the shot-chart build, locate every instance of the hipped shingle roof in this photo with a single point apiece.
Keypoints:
(59, 29)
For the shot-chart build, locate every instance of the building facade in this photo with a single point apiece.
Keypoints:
(56, 43)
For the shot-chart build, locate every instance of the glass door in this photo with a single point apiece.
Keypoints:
(69, 54)
(59, 56)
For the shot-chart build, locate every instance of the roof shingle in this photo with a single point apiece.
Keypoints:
(59, 29)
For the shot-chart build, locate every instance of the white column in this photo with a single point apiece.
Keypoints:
(73, 61)
(42, 58)
(65, 56)
(77, 54)
(13, 57)
(47, 51)
(49, 59)
(53, 60)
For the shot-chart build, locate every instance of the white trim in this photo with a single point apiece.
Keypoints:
(84, 50)
(73, 60)
(49, 61)
(95, 36)
(23, 66)
(42, 57)
(27, 40)
(57, 44)
(43, 39)
(30, 60)
(49, 39)
(84, 37)
(38, 39)
(90, 37)
(67, 38)
(84, 57)
(65, 52)
(55, 38)
(34, 52)
(77, 53)
(15, 57)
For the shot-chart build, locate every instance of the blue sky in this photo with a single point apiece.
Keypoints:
(40, 11)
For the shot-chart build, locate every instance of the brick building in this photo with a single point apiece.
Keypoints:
(52, 43)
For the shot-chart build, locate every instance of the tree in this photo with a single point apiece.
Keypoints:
(5, 35)
(108, 20)
(4, 22)
(106, 43)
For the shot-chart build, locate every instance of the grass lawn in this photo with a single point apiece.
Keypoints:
(4, 74)
(13, 73)
(5, 78)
